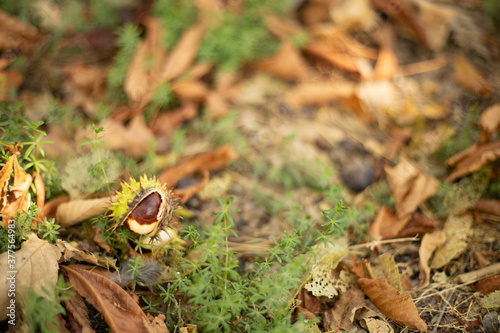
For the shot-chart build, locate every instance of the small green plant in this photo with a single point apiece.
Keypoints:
(97, 145)
(40, 311)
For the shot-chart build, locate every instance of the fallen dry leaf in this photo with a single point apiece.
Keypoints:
(402, 12)
(5, 174)
(354, 15)
(473, 159)
(372, 321)
(410, 186)
(319, 93)
(76, 211)
(398, 307)
(134, 140)
(35, 267)
(189, 90)
(119, 309)
(184, 194)
(488, 206)
(341, 316)
(385, 267)
(287, 64)
(70, 252)
(387, 62)
(469, 77)
(457, 230)
(165, 124)
(217, 103)
(387, 224)
(17, 34)
(430, 242)
(184, 53)
(50, 208)
(91, 79)
(418, 225)
(40, 189)
(211, 161)
(489, 122)
(487, 285)
(10, 80)
(78, 314)
(18, 198)
(283, 28)
(143, 75)
(309, 302)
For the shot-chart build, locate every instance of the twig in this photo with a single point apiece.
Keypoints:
(380, 242)
(479, 274)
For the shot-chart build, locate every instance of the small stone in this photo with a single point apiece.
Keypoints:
(357, 176)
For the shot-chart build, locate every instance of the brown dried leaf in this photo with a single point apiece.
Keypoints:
(217, 105)
(469, 77)
(50, 208)
(211, 161)
(35, 267)
(90, 79)
(387, 62)
(341, 316)
(195, 91)
(488, 206)
(338, 58)
(430, 242)
(387, 224)
(78, 314)
(385, 267)
(314, 12)
(18, 198)
(309, 302)
(164, 125)
(354, 15)
(282, 27)
(184, 53)
(17, 34)
(418, 225)
(287, 64)
(40, 189)
(134, 139)
(185, 194)
(372, 321)
(489, 122)
(410, 186)
(75, 211)
(488, 285)
(10, 80)
(473, 159)
(5, 174)
(457, 229)
(399, 308)
(319, 93)
(402, 12)
(143, 74)
(71, 252)
(120, 311)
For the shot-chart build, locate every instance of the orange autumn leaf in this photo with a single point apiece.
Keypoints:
(190, 90)
(18, 198)
(211, 161)
(410, 186)
(319, 93)
(143, 73)
(430, 242)
(119, 309)
(473, 159)
(469, 77)
(489, 122)
(387, 62)
(402, 12)
(5, 174)
(287, 64)
(184, 53)
(40, 189)
(398, 307)
(387, 224)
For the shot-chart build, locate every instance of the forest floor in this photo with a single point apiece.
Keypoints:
(349, 150)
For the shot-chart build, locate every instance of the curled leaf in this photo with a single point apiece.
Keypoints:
(430, 242)
(400, 308)
(489, 122)
(457, 229)
(76, 211)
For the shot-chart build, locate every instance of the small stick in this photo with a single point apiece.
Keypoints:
(479, 274)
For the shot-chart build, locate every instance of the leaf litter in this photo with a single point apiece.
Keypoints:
(355, 72)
